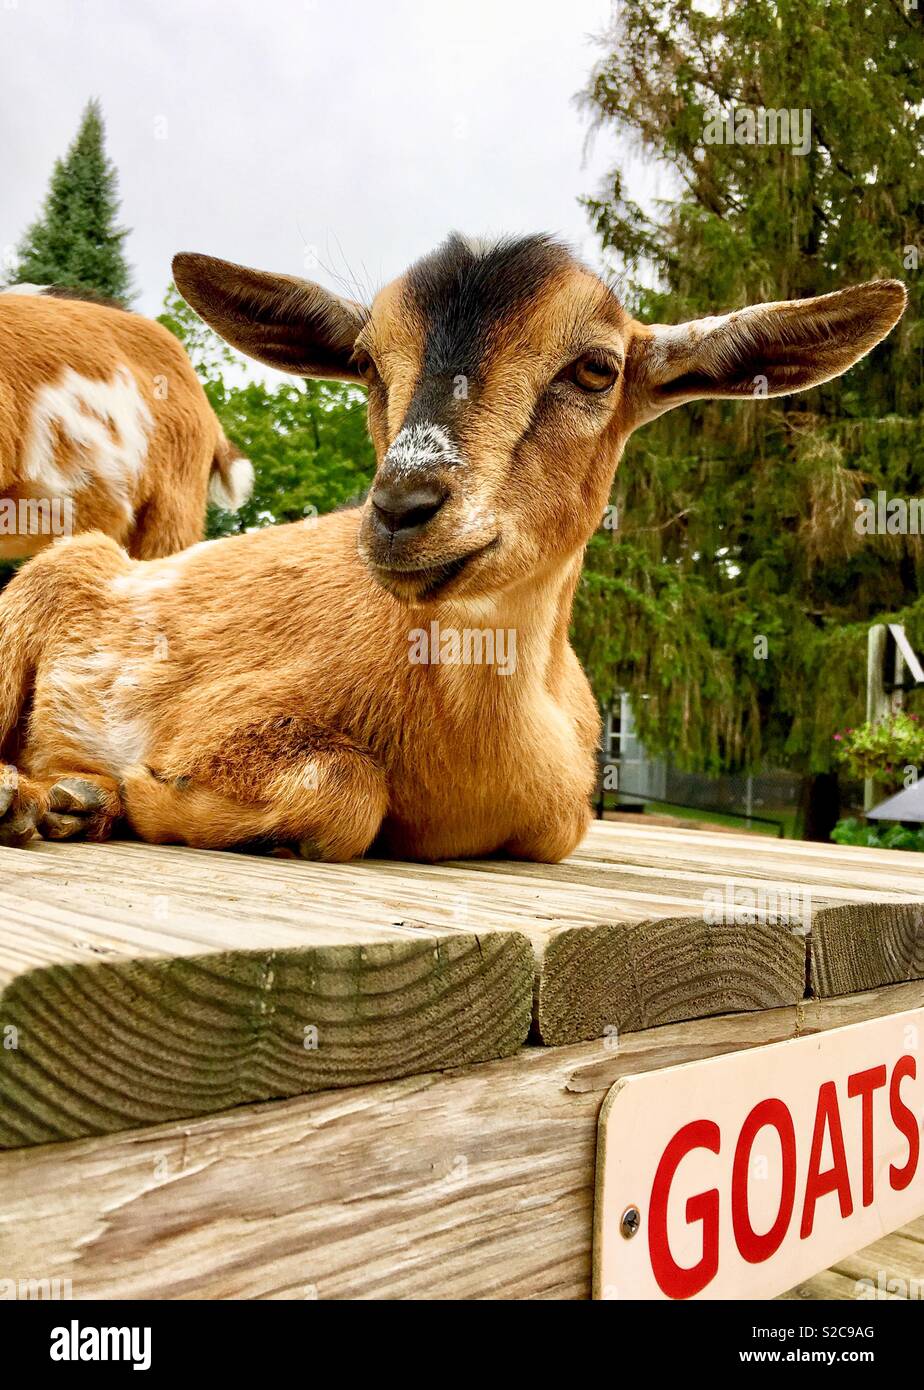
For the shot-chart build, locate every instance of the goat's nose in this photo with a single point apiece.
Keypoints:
(407, 506)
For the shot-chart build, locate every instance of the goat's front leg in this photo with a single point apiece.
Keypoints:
(60, 806)
(278, 782)
(555, 836)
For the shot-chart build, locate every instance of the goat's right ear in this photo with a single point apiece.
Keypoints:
(289, 324)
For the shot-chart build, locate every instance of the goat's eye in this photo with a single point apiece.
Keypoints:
(592, 372)
(364, 364)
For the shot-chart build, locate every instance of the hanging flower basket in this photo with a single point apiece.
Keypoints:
(884, 749)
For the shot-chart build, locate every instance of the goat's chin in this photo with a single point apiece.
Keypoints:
(454, 577)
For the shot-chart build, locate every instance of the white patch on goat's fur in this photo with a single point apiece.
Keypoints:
(417, 447)
(677, 339)
(234, 494)
(86, 697)
(107, 422)
(144, 578)
(25, 289)
(473, 609)
(479, 245)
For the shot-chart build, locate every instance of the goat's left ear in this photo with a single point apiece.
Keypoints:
(765, 350)
(287, 323)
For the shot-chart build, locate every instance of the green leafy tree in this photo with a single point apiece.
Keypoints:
(307, 440)
(735, 593)
(76, 241)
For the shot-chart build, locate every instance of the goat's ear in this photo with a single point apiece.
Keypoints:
(765, 350)
(285, 322)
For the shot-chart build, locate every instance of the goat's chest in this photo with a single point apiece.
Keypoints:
(468, 786)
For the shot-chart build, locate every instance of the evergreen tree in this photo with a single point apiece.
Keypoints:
(76, 242)
(735, 594)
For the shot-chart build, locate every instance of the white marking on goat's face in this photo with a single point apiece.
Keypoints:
(420, 447)
(106, 424)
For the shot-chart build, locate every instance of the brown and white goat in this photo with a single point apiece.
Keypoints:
(308, 684)
(104, 427)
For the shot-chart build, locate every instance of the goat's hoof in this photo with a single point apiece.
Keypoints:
(18, 815)
(78, 808)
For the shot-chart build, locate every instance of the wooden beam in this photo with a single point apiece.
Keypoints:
(471, 1184)
(138, 974)
(867, 906)
(124, 1001)
(605, 958)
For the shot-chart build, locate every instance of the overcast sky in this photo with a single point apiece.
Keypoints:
(273, 131)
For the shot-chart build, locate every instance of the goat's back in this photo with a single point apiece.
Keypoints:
(101, 415)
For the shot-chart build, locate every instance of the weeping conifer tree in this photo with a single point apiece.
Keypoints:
(736, 591)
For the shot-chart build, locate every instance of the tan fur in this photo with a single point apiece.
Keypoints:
(129, 441)
(259, 688)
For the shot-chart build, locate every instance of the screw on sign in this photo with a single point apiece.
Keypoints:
(630, 1222)
(748, 1192)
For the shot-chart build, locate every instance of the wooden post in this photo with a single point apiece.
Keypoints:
(877, 701)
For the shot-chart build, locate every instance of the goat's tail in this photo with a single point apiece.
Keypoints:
(231, 480)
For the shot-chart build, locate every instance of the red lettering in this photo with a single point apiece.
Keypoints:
(837, 1178)
(675, 1280)
(905, 1122)
(863, 1084)
(753, 1247)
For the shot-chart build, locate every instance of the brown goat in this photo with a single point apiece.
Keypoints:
(104, 427)
(399, 673)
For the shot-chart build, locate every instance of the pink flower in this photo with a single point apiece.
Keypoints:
(838, 737)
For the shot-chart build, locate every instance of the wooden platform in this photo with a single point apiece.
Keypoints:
(140, 984)
(475, 1183)
(433, 1044)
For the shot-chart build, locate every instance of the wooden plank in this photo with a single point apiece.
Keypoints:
(869, 930)
(743, 848)
(605, 959)
(472, 1184)
(891, 1268)
(829, 1286)
(114, 1013)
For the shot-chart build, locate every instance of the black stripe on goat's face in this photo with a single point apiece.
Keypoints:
(494, 375)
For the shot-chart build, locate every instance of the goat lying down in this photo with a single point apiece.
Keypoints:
(308, 684)
(104, 427)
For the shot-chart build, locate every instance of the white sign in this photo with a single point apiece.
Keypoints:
(742, 1175)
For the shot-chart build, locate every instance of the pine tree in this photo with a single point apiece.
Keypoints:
(736, 594)
(76, 242)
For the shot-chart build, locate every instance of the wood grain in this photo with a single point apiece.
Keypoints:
(615, 955)
(116, 1010)
(146, 982)
(892, 1268)
(866, 906)
(469, 1184)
